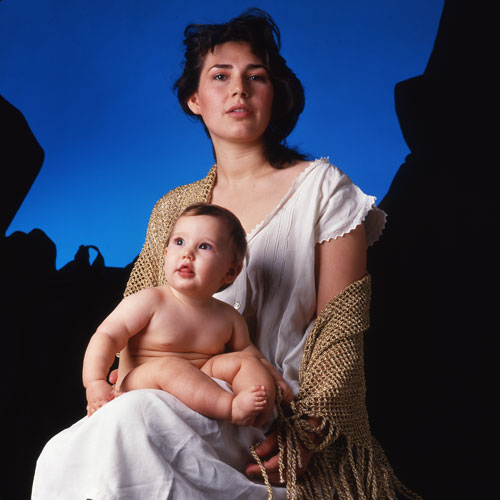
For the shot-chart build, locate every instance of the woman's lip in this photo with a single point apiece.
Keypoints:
(238, 108)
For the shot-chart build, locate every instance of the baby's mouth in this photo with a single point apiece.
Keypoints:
(185, 271)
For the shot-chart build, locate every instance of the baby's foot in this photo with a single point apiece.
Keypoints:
(248, 404)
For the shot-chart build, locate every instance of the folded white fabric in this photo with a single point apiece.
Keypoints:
(147, 445)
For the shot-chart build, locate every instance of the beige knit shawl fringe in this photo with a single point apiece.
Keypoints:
(347, 459)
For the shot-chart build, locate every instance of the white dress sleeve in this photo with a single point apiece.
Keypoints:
(342, 206)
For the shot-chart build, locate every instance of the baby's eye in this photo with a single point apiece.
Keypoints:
(205, 246)
(179, 241)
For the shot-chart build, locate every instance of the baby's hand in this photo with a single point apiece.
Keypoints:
(99, 393)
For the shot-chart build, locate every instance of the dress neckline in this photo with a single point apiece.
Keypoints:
(291, 191)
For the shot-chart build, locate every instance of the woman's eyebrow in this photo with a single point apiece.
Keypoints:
(256, 66)
(229, 66)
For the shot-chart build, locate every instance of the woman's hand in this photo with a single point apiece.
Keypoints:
(269, 448)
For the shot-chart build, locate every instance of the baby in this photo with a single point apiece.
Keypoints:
(175, 337)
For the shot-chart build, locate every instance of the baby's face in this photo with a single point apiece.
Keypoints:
(199, 258)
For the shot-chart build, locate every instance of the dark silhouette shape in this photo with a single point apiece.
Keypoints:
(428, 350)
(21, 158)
(48, 316)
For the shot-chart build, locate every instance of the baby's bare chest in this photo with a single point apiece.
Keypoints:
(185, 331)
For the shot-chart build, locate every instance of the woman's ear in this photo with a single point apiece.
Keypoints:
(194, 104)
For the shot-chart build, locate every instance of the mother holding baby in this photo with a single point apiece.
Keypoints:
(303, 291)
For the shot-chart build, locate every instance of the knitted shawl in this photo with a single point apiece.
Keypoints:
(348, 462)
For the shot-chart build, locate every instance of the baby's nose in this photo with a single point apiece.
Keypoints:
(188, 254)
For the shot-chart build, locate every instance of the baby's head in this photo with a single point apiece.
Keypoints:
(206, 242)
(235, 231)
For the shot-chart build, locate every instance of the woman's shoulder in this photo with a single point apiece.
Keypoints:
(320, 166)
(342, 205)
(320, 174)
(325, 165)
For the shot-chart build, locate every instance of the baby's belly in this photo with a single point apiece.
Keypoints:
(130, 360)
(195, 357)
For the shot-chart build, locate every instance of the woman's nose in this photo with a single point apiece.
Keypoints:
(240, 87)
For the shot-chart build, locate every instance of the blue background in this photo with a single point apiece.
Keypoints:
(94, 81)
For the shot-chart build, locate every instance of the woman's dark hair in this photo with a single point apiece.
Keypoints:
(258, 29)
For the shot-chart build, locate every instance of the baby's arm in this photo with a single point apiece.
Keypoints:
(130, 317)
(240, 341)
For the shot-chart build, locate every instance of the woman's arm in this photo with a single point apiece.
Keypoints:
(339, 263)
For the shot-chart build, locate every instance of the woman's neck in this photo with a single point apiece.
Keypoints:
(240, 163)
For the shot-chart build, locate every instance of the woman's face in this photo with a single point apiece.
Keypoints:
(235, 94)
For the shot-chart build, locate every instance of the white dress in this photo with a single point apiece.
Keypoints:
(148, 445)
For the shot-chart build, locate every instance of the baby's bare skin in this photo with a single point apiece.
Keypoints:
(188, 331)
(145, 363)
(175, 337)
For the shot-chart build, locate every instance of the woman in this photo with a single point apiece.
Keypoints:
(307, 228)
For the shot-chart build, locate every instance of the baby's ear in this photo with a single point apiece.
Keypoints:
(232, 272)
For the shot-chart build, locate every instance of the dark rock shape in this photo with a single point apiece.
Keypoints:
(21, 158)
(427, 353)
(48, 318)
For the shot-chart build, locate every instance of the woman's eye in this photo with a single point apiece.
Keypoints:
(179, 241)
(258, 78)
(205, 246)
(219, 76)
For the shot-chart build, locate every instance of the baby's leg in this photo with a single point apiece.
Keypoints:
(183, 380)
(251, 382)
